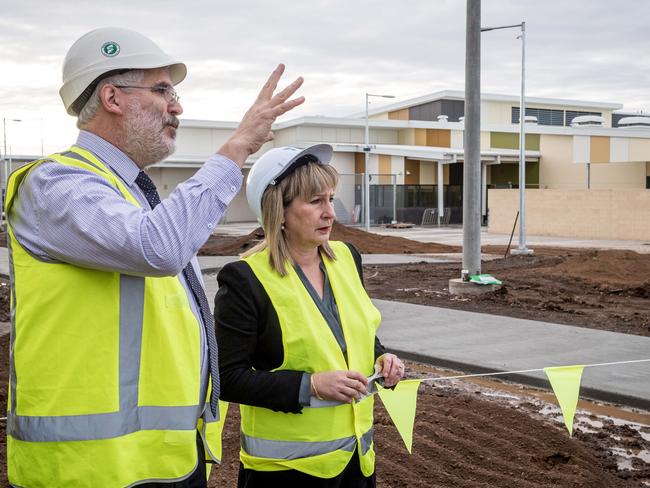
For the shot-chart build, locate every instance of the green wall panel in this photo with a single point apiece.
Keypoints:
(502, 174)
(510, 140)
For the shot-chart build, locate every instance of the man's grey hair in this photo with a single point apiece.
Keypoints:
(89, 110)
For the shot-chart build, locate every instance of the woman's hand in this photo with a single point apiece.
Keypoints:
(391, 368)
(342, 386)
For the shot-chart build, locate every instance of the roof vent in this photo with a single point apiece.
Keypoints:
(443, 118)
(630, 122)
(530, 119)
(588, 121)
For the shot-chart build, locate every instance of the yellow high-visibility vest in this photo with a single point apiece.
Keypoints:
(105, 373)
(319, 441)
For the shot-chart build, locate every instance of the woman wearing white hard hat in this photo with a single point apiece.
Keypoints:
(297, 334)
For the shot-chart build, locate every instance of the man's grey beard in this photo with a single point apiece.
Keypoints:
(144, 140)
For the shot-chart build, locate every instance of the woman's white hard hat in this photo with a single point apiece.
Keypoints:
(106, 51)
(274, 165)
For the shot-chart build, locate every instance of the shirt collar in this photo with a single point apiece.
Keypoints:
(110, 155)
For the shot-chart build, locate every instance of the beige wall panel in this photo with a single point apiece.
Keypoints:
(499, 112)
(397, 168)
(420, 137)
(647, 168)
(219, 137)
(343, 135)
(310, 134)
(399, 114)
(445, 174)
(373, 165)
(556, 167)
(407, 137)
(599, 149)
(381, 116)
(194, 141)
(285, 137)
(619, 149)
(344, 162)
(618, 175)
(358, 135)
(329, 134)
(457, 139)
(384, 169)
(589, 214)
(485, 141)
(639, 149)
(387, 137)
(427, 173)
(581, 149)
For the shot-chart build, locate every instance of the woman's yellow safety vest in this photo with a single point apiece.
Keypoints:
(104, 369)
(319, 441)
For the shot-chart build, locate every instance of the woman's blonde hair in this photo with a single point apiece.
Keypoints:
(305, 182)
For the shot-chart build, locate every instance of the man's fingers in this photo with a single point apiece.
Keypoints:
(287, 92)
(286, 106)
(271, 84)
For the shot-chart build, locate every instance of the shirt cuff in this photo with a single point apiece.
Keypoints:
(304, 398)
(223, 174)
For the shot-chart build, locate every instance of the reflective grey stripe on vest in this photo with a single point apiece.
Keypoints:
(79, 157)
(266, 448)
(130, 417)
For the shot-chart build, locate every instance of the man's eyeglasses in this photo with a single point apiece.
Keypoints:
(165, 91)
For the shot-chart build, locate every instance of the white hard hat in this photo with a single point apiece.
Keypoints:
(277, 163)
(106, 51)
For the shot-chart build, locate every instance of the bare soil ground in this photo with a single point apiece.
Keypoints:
(608, 290)
(487, 434)
(478, 434)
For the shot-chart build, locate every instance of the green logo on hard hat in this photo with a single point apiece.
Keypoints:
(110, 49)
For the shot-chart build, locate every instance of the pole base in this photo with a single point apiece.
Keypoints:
(459, 287)
(522, 252)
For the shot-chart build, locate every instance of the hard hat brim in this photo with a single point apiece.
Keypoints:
(177, 73)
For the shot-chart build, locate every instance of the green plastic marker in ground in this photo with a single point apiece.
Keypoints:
(484, 279)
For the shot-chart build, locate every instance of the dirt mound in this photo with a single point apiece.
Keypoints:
(365, 242)
(583, 288)
(605, 267)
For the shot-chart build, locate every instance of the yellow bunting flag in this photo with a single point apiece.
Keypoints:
(400, 404)
(565, 381)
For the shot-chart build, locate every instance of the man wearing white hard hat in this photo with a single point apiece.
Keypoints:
(114, 375)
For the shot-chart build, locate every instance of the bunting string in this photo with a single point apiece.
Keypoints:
(440, 378)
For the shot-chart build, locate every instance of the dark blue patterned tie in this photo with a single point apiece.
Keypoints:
(150, 192)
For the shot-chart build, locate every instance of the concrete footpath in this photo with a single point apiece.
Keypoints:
(480, 343)
(476, 343)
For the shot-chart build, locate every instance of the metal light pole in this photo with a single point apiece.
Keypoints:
(522, 249)
(472, 142)
(366, 174)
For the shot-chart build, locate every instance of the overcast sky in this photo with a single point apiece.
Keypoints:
(596, 50)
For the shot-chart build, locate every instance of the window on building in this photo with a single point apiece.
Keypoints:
(548, 116)
(572, 114)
